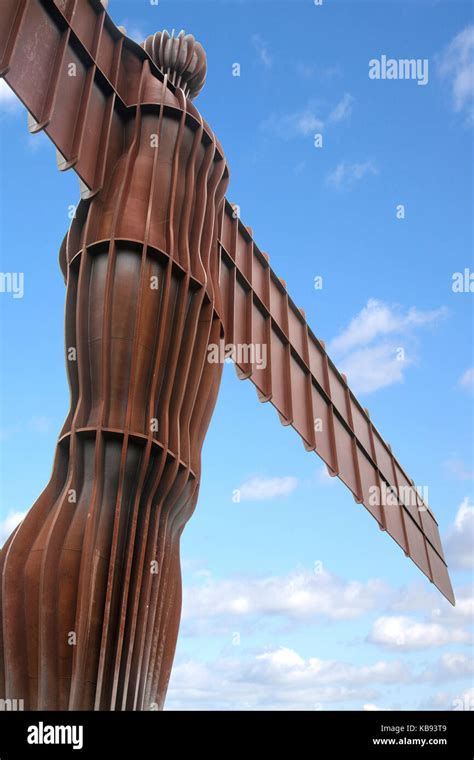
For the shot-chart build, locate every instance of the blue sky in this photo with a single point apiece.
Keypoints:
(293, 598)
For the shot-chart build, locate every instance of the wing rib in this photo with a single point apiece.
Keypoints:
(76, 74)
(312, 396)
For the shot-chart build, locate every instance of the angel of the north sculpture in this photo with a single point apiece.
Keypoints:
(158, 267)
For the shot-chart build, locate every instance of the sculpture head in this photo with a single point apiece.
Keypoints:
(182, 58)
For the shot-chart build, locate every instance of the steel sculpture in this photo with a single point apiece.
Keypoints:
(158, 267)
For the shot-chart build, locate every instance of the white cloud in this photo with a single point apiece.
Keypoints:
(213, 605)
(450, 701)
(379, 319)
(345, 175)
(323, 477)
(282, 679)
(261, 489)
(450, 622)
(278, 679)
(416, 597)
(405, 633)
(425, 599)
(449, 667)
(374, 320)
(464, 701)
(466, 381)
(261, 48)
(8, 525)
(9, 103)
(459, 539)
(297, 124)
(371, 350)
(464, 609)
(6, 93)
(456, 66)
(275, 666)
(307, 121)
(300, 595)
(342, 110)
(369, 369)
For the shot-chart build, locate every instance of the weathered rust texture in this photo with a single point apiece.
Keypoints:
(157, 267)
(312, 396)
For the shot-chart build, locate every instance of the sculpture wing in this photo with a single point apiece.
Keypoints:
(311, 395)
(77, 75)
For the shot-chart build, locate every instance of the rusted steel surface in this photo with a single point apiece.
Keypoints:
(157, 269)
(77, 75)
(97, 556)
(312, 396)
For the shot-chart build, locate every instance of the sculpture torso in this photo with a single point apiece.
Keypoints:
(141, 265)
(150, 232)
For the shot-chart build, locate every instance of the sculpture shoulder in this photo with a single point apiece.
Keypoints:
(156, 92)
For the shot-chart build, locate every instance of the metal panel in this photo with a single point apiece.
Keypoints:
(72, 68)
(310, 394)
